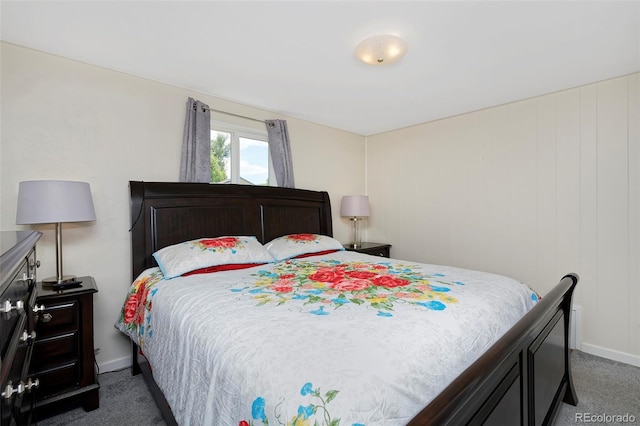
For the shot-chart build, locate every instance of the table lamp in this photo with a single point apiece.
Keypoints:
(355, 207)
(55, 201)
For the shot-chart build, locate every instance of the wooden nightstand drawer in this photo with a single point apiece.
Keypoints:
(62, 316)
(382, 252)
(50, 350)
(58, 379)
(374, 249)
(63, 357)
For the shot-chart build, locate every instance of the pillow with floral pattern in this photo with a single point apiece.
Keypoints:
(294, 245)
(188, 256)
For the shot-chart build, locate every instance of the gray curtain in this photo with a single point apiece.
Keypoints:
(280, 150)
(195, 165)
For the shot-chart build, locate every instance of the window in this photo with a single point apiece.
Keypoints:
(240, 155)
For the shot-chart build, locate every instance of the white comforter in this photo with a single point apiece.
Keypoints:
(278, 345)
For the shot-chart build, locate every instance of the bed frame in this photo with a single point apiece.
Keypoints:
(521, 380)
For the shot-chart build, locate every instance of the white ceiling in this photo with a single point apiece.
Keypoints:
(296, 57)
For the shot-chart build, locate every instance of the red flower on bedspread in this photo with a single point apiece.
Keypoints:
(130, 308)
(327, 275)
(365, 275)
(136, 311)
(283, 286)
(350, 285)
(389, 281)
(331, 283)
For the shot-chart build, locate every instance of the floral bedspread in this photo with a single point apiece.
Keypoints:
(340, 339)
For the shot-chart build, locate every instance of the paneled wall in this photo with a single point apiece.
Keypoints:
(533, 190)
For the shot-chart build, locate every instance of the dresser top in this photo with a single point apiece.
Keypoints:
(15, 245)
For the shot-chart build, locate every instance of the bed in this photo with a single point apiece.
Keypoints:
(334, 355)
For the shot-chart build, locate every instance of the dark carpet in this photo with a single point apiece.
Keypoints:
(606, 389)
(124, 400)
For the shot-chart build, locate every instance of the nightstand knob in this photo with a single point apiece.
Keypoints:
(38, 308)
(46, 317)
(26, 336)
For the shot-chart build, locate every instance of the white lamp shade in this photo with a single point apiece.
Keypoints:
(54, 201)
(355, 206)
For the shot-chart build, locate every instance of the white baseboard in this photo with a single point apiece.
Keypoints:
(611, 354)
(575, 342)
(115, 364)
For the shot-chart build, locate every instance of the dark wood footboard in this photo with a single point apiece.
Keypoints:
(522, 379)
(141, 365)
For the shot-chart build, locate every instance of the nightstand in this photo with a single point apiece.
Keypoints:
(375, 249)
(63, 357)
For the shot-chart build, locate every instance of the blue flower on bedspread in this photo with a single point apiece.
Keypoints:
(315, 412)
(257, 409)
(334, 284)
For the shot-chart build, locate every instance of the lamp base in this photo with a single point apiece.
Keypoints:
(65, 282)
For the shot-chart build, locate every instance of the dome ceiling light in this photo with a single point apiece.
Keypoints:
(381, 49)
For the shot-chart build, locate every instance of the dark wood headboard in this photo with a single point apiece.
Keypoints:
(166, 213)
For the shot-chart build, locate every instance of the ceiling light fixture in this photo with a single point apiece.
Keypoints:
(381, 49)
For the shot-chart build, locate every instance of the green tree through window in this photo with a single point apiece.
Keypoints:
(240, 155)
(220, 150)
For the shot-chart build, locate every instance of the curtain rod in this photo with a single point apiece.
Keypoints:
(232, 114)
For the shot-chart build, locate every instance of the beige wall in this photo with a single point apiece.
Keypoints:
(534, 190)
(63, 119)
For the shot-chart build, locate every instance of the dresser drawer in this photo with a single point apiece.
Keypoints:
(16, 386)
(14, 302)
(17, 323)
(12, 364)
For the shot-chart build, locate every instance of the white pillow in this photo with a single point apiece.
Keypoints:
(289, 246)
(188, 256)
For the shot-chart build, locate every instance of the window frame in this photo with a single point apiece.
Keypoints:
(238, 131)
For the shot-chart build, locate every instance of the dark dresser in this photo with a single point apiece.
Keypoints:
(17, 322)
